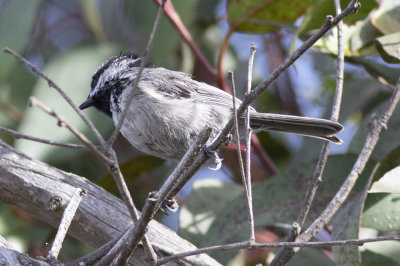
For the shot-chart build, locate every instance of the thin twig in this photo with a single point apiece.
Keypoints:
(18, 135)
(329, 23)
(107, 155)
(353, 6)
(247, 245)
(115, 250)
(248, 146)
(164, 193)
(201, 157)
(138, 232)
(116, 173)
(61, 92)
(95, 256)
(339, 68)
(66, 220)
(143, 63)
(372, 138)
(246, 182)
(323, 157)
(118, 178)
(236, 129)
(377, 125)
(63, 122)
(179, 177)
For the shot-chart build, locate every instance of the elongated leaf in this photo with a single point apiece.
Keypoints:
(382, 212)
(387, 18)
(381, 253)
(387, 175)
(274, 11)
(388, 47)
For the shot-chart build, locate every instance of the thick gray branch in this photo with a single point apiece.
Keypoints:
(44, 192)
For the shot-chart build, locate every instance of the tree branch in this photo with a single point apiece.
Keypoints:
(43, 191)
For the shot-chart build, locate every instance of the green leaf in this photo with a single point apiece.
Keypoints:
(317, 15)
(14, 30)
(364, 34)
(387, 175)
(389, 47)
(389, 183)
(346, 225)
(387, 18)
(382, 212)
(329, 43)
(72, 72)
(273, 11)
(381, 253)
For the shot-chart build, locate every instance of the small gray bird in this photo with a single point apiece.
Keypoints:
(170, 109)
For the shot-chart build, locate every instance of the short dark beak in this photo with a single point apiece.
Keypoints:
(86, 104)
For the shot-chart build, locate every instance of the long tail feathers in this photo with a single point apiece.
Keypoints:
(311, 127)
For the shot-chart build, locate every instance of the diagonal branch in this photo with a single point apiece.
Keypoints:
(62, 122)
(60, 91)
(330, 21)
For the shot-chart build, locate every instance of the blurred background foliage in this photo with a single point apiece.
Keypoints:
(70, 39)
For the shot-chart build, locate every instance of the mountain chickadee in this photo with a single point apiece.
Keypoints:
(170, 109)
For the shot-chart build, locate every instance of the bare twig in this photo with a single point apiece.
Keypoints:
(247, 245)
(63, 122)
(248, 146)
(167, 190)
(329, 23)
(353, 6)
(60, 91)
(246, 182)
(339, 68)
(323, 157)
(236, 128)
(66, 220)
(116, 173)
(118, 178)
(372, 138)
(18, 135)
(99, 253)
(377, 125)
(113, 251)
(181, 174)
(138, 232)
(138, 76)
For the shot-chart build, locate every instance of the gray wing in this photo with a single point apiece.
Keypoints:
(179, 85)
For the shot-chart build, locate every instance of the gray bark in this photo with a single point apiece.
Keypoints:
(44, 191)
